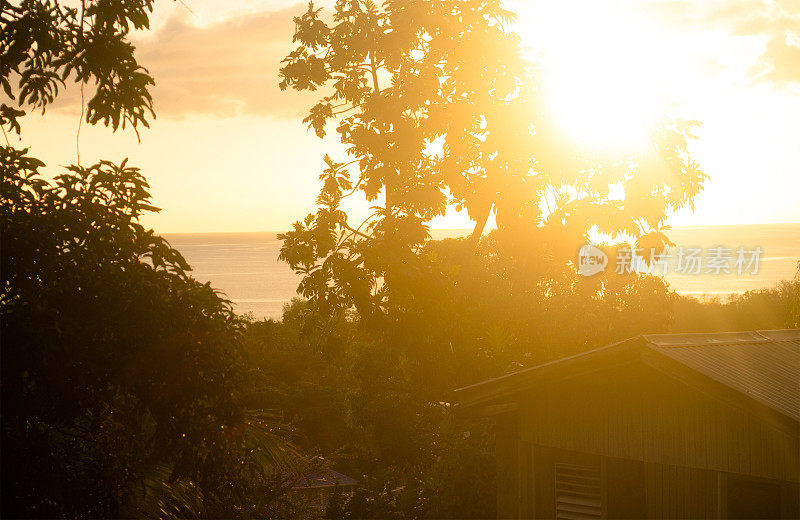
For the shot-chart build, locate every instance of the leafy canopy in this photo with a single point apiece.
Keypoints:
(436, 106)
(43, 43)
(123, 380)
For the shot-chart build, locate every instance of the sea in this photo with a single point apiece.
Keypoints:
(245, 266)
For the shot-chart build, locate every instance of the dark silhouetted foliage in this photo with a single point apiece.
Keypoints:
(122, 377)
(43, 43)
(129, 389)
(123, 383)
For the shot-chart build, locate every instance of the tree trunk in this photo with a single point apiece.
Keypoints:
(480, 225)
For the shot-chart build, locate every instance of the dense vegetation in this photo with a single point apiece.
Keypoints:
(435, 106)
(375, 403)
(124, 386)
(122, 377)
(130, 389)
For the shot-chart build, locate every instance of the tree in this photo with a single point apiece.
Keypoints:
(44, 43)
(123, 384)
(436, 106)
(375, 403)
(123, 378)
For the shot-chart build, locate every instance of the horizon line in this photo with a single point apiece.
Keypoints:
(682, 226)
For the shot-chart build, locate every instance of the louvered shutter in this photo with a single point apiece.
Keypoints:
(578, 493)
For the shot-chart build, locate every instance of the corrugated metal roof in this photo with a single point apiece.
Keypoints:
(762, 364)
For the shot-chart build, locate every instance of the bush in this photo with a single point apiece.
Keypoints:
(122, 376)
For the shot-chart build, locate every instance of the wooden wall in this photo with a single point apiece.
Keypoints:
(633, 489)
(507, 454)
(678, 492)
(666, 449)
(643, 415)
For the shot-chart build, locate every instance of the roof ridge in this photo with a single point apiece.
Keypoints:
(721, 338)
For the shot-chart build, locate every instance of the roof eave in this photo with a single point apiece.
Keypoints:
(495, 391)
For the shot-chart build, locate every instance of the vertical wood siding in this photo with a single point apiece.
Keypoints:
(651, 418)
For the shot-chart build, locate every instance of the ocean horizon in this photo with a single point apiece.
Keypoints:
(245, 265)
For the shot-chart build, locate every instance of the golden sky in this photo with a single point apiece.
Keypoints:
(228, 151)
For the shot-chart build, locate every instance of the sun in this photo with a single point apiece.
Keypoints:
(604, 106)
(601, 69)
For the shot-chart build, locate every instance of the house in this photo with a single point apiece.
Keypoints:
(656, 426)
(318, 487)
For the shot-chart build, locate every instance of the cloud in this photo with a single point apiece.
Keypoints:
(779, 64)
(775, 21)
(225, 69)
(758, 17)
(779, 22)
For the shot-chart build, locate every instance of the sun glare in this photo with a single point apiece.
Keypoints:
(600, 71)
(601, 105)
